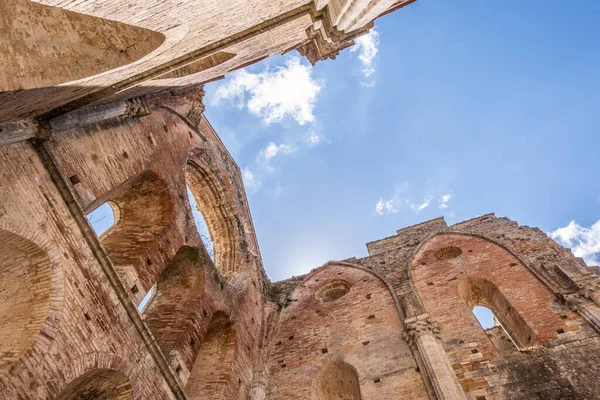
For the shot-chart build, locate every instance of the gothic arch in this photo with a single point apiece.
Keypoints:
(30, 295)
(216, 201)
(145, 210)
(482, 292)
(98, 384)
(175, 313)
(336, 380)
(210, 377)
(452, 272)
(342, 312)
(45, 46)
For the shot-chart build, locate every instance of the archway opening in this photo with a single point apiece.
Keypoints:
(494, 330)
(104, 217)
(337, 380)
(215, 207)
(201, 225)
(25, 286)
(175, 313)
(210, 376)
(100, 384)
(484, 298)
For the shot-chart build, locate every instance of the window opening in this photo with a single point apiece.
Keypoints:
(102, 218)
(144, 303)
(492, 327)
(201, 225)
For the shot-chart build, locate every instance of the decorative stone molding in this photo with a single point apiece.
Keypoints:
(337, 24)
(420, 325)
(134, 108)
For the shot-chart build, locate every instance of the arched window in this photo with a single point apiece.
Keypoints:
(490, 307)
(494, 330)
(99, 384)
(337, 380)
(25, 285)
(210, 376)
(217, 205)
(201, 225)
(104, 217)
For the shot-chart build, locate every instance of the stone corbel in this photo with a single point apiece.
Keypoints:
(325, 41)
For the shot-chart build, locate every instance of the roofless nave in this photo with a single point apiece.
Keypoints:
(102, 103)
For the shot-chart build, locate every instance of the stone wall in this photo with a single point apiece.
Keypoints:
(541, 294)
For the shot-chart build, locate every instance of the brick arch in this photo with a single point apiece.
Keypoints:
(336, 380)
(31, 292)
(452, 272)
(175, 314)
(100, 375)
(211, 376)
(45, 45)
(145, 211)
(482, 292)
(216, 201)
(99, 384)
(359, 324)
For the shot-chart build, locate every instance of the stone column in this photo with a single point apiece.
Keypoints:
(259, 385)
(422, 335)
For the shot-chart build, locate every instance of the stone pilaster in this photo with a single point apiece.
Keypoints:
(423, 336)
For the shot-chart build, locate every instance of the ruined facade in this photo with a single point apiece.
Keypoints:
(101, 103)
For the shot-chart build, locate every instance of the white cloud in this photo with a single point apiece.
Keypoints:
(444, 200)
(385, 207)
(584, 242)
(274, 94)
(313, 138)
(423, 205)
(367, 47)
(250, 180)
(273, 149)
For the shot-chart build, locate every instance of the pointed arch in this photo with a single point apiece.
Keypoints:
(144, 210)
(217, 204)
(175, 314)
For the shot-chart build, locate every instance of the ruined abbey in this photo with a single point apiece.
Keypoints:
(102, 103)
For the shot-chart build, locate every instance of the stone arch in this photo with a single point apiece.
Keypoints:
(45, 45)
(98, 384)
(145, 211)
(175, 314)
(482, 292)
(337, 380)
(30, 295)
(452, 272)
(211, 374)
(342, 312)
(216, 202)
(443, 258)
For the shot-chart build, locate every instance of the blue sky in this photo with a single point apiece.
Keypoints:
(492, 106)
(451, 109)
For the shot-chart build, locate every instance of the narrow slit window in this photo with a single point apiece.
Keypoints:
(102, 218)
(146, 300)
(201, 225)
